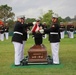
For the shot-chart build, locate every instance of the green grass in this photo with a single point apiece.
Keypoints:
(67, 55)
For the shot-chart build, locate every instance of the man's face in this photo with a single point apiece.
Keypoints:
(38, 22)
(19, 19)
(54, 20)
(22, 20)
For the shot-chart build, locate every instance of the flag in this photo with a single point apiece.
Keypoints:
(35, 28)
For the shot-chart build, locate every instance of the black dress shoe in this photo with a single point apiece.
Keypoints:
(17, 65)
(55, 64)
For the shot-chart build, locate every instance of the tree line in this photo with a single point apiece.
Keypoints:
(7, 16)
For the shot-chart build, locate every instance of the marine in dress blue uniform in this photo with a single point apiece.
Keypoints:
(6, 28)
(62, 30)
(17, 40)
(44, 27)
(54, 38)
(24, 37)
(37, 36)
(70, 30)
(2, 32)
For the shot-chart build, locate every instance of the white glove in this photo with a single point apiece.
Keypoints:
(41, 31)
(29, 32)
(34, 23)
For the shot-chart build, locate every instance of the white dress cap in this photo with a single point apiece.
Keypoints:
(21, 16)
(55, 15)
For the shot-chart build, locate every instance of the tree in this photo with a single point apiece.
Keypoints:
(75, 18)
(30, 20)
(6, 12)
(11, 24)
(68, 19)
(47, 17)
(60, 19)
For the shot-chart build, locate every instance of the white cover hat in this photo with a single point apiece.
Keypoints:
(55, 15)
(21, 16)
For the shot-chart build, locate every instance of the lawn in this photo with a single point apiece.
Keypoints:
(67, 55)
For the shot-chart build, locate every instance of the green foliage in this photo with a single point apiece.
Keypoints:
(67, 19)
(60, 19)
(30, 20)
(6, 12)
(11, 24)
(47, 17)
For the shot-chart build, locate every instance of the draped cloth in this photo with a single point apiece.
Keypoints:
(35, 28)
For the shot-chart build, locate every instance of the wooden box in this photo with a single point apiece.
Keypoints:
(37, 53)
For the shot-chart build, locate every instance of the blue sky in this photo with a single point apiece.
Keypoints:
(35, 8)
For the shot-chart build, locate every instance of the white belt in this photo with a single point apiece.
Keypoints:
(53, 33)
(18, 33)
